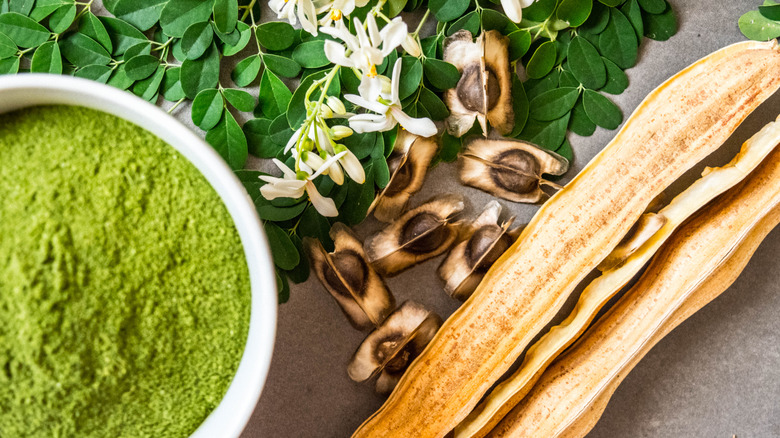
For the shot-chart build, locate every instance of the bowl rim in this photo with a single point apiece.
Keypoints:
(232, 414)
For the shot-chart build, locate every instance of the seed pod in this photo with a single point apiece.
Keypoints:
(468, 261)
(418, 235)
(388, 350)
(509, 169)
(484, 91)
(409, 162)
(349, 278)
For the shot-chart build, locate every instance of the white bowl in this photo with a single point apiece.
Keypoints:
(232, 414)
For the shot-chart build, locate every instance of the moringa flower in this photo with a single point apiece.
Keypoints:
(514, 8)
(294, 10)
(296, 184)
(336, 9)
(368, 48)
(375, 96)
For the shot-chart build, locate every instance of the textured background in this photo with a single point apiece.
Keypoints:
(717, 375)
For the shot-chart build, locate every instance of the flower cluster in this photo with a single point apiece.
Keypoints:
(314, 145)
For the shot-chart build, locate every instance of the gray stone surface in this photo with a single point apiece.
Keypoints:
(717, 375)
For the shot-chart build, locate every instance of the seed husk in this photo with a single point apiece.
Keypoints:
(409, 162)
(346, 274)
(509, 169)
(387, 351)
(420, 234)
(484, 92)
(466, 264)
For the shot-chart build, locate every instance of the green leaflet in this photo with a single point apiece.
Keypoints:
(618, 41)
(275, 35)
(542, 61)
(274, 96)
(586, 64)
(22, 30)
(81, 50)
(660, 27)
(196, 40)
(225, 15)
(553, 104)
(239, 99)
(207, 108)
(47, 59)
(178, 15)
(228, 139)
(142, 14)
(601, 110)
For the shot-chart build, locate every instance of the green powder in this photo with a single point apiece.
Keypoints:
(124, 291)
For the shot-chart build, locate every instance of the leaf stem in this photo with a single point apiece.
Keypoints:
(422, 22)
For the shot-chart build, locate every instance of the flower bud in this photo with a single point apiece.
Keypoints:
(326, 112)
(340, 132)
(411, 46)
(336, 105)
(513, 9)
(387, 85)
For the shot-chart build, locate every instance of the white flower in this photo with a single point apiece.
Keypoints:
(294, 10)
(368, 48)
(293, 185)
(351, 164)
(315, 133)
(375, 97)
(514, 8)
(411, 46)
(337, 9)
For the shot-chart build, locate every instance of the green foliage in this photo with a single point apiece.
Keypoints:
(572, 51)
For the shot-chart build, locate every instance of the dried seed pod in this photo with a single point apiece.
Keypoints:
(388, 350)
(418, 235)
(349, 278)
(509, 169)
(484, 91)
(408, 166)
(466, 264)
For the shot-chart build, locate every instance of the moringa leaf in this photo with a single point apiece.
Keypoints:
(178, 15)
(283, 250)
(123, 34)
(653, 6)
(9, 66)
(245, 34)
(240, 99)
(448, 10)
(274, 96)
(47, 59)
(91, 26)
(97, 73)
(661, 27)
(225, 15)
(22, 30)
(617, 81)
(229, 141)
(542, 61)
(196, 40)
(553, 104)
(201, 73)
(207, 109)
(586, 64)
(81, 50)
(275, 35)
(574, 12)
(142, 14)
(172, 90)
(442, 75)
(62, 18)
(602, 111)
(141, 67)
(580, 123)
(282, 66)
(148, 89)
(618, 42)
(7, 46)
(311, 54)
(411, 76)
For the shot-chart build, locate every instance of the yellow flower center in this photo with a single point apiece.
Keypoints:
(335, 14)
(372, 72)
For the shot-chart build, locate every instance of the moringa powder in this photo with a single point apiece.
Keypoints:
(124, 291)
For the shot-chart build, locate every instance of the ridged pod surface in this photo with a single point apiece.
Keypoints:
(696, 265)
(676, 126)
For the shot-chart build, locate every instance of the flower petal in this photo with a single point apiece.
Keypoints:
(360, 101)
(325, 206)
(423, 127)
(362, 123)
(337, 54)
(373, 31)
(513, 9)
(393, 35)
(354, 169)
(395, 97)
